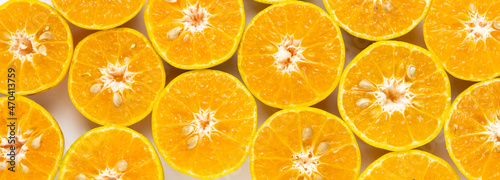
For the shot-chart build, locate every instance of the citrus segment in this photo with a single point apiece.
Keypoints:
(378, 19)
(304, 143)
(413, 164)
(291, 55)
(210, 29)
(207, 116)
(115, 77)
(31, 145)
(36, 43)
(111, 152)
(98, 14)
(394, 96)
(465, 36)
(473, 131)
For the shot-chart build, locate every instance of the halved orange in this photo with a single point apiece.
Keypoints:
(31, 144)
(115, 77)
(465, 37)
(111, 152)
(394, 96)
(98, 14)
(192, 34)
(203, 123)
(291, 55)
(412, 164)
(472, 132)
(378, 19)
(36, 43)
(304, 143)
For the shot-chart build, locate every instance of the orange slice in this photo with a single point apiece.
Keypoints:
(473, 131)
(98, 14)
(203, 123)
(32, 144)
(36, 43)
(413, 164)
(291, 55)
(378, 19)
(465, 37)
(210, 30)
(304, 143)
(111, 152)
(394, 96)
(115, 77)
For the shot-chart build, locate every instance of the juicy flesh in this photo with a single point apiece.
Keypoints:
(288, 55)
(473, 132)
(280, 149)
(23, 46)
(464, 36)
(195, 18)
(394, 96)
(117, 77)
(409, 165)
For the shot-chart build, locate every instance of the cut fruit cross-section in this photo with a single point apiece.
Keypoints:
(405, 165)
(291, 55)
(203, 123)
(465, 37)
(395, 96)
(473, 131)
(378, 19)
(192, 34)
(111, 153)
(304, 143)
(115, 77)
(32, 144)
(98, 14)
(36, 43)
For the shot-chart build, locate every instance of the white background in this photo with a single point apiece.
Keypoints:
(73, 124)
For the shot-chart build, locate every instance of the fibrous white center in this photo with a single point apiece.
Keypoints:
(19, 142)
(306, 163)
(394, 95)
(195, 18)
(204, 123)
(478, 27)
(23, 46)
(116, 77)
(289, 53)
(109, 174)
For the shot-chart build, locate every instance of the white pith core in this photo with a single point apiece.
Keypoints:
(204, 123)
(394, 95)
(382, 4)
(494, 132)
(21, 146)
(23, 46)
(478, 27)
(195, 18)
(289, 53)
(109, 174)
(306, 163)
(116, 77)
